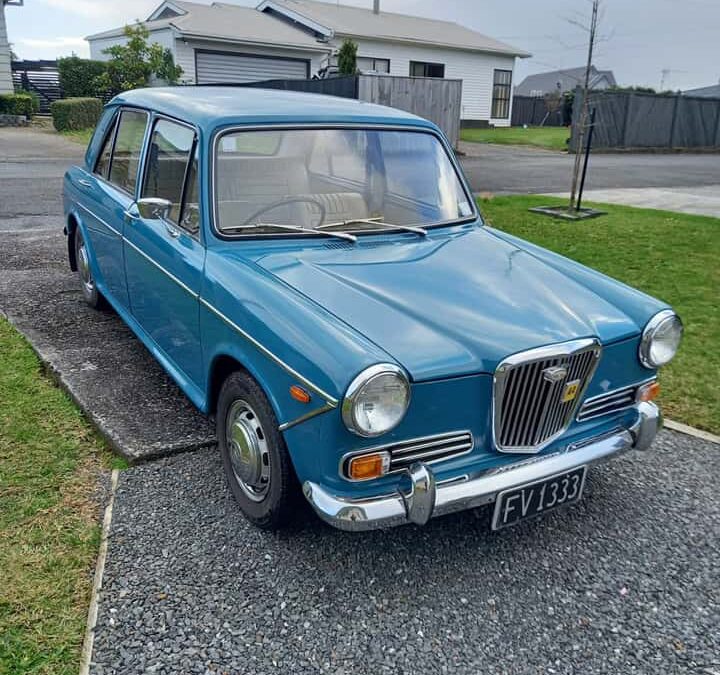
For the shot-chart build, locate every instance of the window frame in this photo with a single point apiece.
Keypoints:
(111, 131)
(222, 131)
(194, 147)
(502, 101)
(374, 60)
(425, 65)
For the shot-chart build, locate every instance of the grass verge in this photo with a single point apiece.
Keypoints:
(50, 465)
(671, 256)
(81, 136)
(550, 138)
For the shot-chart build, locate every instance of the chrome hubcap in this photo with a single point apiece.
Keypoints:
(83, 264)
(248, 449)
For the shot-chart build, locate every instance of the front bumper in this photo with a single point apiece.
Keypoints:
(421, 498)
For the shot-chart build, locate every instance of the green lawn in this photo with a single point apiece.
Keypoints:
(551, 138)
(668, 255)
(50, 462)
(81, 136)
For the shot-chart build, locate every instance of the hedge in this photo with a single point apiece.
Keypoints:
(17, 104)
(77, 76)
(70, 114)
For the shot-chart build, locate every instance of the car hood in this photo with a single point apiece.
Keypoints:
(451, 304)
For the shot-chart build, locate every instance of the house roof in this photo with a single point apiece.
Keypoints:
(705, 92)
(226, 22)
(360, 22)
(569, 78)
(211, 107)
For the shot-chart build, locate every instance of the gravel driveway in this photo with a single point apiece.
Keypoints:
(625, 582)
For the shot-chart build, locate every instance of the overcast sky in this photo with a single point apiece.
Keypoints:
(640, 37)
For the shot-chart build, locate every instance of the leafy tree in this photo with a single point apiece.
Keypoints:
(133, 64)
(347, 58)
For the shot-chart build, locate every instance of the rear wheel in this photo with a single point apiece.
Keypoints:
(256, 461)
(87, 281)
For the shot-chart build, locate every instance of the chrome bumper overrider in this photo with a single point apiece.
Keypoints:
(421, 498)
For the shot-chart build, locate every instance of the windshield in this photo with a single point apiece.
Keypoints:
(334, 180)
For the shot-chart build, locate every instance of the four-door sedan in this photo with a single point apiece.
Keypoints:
(313, 271)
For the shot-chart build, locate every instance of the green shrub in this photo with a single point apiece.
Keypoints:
(71, 114)
(35, 99)
(16, 104)
(77, 76)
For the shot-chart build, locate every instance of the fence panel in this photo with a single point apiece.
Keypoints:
(632, 120)
(335, 86)
(532, 110)
(39, 77)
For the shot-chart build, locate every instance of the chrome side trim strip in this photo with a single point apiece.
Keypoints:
(306, 417)
(332, 401)
(104, 222)
(186, 288)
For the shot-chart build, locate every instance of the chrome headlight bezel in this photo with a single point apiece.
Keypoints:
(658, 321)
(355, 390)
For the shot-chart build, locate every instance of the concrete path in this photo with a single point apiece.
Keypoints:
(114, 379)
(702, 200)
(626, 581)
(518, 170)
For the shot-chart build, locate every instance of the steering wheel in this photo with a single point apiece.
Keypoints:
(288, 200)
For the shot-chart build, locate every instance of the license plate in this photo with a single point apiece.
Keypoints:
(534, 499)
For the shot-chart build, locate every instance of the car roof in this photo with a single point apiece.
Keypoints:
(212, 107)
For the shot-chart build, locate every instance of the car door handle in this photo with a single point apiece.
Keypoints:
(85, 182)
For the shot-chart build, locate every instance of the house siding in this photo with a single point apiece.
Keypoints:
(6, 85)
(475, 69)
(98, 45)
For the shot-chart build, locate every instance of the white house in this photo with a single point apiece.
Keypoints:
(284, 39)
(6, 84)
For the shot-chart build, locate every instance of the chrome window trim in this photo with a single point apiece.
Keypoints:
(452, 158)
(358, 382)
(387, 447)
(539, 353)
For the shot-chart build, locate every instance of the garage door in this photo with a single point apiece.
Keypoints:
(214, 67)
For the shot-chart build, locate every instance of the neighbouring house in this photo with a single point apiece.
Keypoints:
(712, 91)
(6, 83)
(560, 81)
(283, 39)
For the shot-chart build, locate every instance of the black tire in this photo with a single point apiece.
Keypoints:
(270, 504)
(92, 296)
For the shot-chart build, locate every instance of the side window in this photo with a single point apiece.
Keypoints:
(168, 163)
(103, 161)
(128, 147)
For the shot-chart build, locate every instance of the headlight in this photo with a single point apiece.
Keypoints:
(376, 400)
(660, 339)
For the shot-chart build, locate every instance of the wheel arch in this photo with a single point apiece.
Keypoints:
(70, 229)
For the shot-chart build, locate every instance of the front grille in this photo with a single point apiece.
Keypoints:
(605, 404)
(428, 449)
(532, 393)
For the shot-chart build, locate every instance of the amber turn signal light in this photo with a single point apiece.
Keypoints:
(648, 392)
(299, 394)
(370, 466)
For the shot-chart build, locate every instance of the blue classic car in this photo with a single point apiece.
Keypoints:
(313, 272)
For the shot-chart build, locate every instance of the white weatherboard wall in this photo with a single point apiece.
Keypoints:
(6, 85)
(475, 69)
(97, 45)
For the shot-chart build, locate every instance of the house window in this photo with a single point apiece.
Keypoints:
(370, 63)
(502, 92)
(423, 69)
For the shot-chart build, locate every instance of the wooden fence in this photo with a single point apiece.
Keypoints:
(38, 77)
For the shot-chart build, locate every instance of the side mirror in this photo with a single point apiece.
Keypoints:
(154, 208)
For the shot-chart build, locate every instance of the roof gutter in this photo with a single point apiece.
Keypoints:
(257, 43)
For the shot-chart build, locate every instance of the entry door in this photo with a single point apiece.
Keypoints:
(164, 257)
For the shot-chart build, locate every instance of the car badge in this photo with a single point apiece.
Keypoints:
(554, 374)
(571, 391)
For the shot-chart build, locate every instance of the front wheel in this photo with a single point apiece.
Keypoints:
(87, 281)
(256, 461)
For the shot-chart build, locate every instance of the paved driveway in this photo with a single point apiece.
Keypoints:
(508, 169)
(626, 581)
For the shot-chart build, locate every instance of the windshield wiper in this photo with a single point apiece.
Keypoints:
(377, 220)
(294, 228)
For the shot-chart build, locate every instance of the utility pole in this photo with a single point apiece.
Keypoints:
(579, 145)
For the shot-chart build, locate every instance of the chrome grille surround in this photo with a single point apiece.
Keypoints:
(528, 411)
(610, 402)
(427, 449)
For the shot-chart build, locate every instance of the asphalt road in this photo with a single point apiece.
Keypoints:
(627, 581)
(507, 169)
